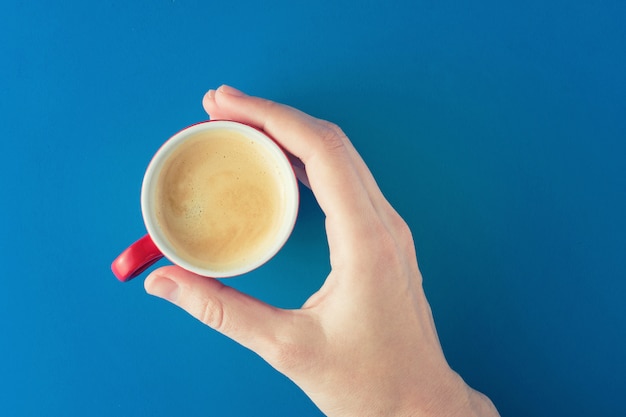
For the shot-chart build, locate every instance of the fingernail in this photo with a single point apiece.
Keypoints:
(226, 89)
(210, 95)
(162, 287)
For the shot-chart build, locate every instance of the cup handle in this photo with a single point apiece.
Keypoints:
(135, 259)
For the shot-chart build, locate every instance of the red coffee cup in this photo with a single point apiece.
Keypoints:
(220, 159)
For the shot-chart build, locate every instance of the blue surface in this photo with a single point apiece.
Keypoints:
(496, 130)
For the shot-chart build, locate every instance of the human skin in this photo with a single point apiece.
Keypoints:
(365, 344)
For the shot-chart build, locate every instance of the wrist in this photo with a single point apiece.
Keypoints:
(480, 405)
(465, 402)
(453, 399)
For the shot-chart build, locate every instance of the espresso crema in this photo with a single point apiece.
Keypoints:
(219, 200)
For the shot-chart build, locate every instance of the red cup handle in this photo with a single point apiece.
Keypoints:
(135, 259)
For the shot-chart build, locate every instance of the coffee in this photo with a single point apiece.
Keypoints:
(220, 200)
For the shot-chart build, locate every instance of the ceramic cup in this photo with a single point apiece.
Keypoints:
(219, 198)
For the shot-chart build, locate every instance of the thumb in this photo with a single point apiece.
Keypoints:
(244, 319)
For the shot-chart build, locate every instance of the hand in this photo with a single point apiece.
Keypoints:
(365, 344)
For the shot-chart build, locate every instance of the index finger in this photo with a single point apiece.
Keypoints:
(320, 145)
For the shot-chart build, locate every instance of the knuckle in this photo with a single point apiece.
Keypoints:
(269, 106)
(212, 313)
(402, 230)
(331, 135)
(392, 238)
(332, 127)
(286, 356)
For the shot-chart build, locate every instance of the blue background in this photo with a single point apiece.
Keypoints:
(496, 130)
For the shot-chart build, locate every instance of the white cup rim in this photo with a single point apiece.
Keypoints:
(151, 177)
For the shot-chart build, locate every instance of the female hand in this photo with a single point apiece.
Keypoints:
(365, 344)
